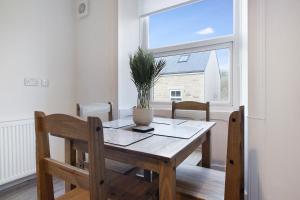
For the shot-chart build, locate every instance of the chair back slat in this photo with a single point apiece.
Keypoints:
(234, 182)
(190, 105)
(67, 172)
(72, 129)
(68, 127)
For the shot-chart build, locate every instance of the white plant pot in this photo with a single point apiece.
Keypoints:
(142, 116)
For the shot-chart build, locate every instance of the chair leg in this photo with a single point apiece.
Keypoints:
(80, 159)
(148, 175)
(70, 158)
(206, 151)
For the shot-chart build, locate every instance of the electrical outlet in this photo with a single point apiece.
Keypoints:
(45, 83)
(33, 82)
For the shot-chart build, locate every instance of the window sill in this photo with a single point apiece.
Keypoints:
(214, 115)
(217, 113)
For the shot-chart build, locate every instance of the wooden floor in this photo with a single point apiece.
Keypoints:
(27, 191)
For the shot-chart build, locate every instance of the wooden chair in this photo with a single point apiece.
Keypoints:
(195, 182)
(196, 158)
(101, 184)
(95, 109)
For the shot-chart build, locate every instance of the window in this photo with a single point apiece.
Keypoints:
(175, 95)
(197, 41)
(205, 76)
(183, 58)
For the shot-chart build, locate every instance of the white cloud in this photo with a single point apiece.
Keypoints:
(206, 31)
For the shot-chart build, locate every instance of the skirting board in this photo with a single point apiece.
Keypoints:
(16, 183)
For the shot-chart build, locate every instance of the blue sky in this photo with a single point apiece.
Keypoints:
(198, 21)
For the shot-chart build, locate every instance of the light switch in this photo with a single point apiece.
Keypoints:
(45, 83)
(33, 82)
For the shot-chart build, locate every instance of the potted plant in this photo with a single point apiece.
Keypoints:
(145, 70)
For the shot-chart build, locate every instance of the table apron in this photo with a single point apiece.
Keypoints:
(143, 161)
(133, 159)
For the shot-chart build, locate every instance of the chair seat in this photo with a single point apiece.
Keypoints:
(76, 194)
(193, 182)
(194, 159)
(115, 166)
(120, 187)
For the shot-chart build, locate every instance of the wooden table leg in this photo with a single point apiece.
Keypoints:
(167, 181)
(206, 151)
(70, 158)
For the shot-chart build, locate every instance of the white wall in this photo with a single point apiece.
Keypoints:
(128, 42)
(36, 38)
(274, 110)
(96, 53)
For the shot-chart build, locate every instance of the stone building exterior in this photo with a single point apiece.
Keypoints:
(189, 77)
(185, 83)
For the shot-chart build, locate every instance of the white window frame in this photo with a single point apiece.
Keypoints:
(175, 97)
(231, 42)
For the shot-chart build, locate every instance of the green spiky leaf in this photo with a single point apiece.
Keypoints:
(145, 71)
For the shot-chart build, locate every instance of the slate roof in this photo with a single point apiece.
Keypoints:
(196, 62)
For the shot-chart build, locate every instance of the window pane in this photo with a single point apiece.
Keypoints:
(183, 58)
(202, 20)
(204, 77)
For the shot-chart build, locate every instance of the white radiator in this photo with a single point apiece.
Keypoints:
(17, 150)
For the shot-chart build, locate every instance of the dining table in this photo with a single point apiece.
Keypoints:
(161, 150)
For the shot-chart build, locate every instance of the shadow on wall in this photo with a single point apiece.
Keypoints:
(254, 190)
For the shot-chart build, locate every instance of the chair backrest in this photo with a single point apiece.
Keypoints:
(94, 109)
(191, 105)
(64, 126)
(234, 182)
